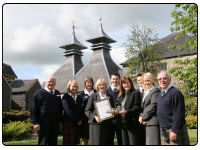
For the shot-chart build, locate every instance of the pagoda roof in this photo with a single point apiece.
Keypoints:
(73, 43)
(101, 36)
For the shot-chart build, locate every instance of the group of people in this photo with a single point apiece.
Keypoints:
(146, 116)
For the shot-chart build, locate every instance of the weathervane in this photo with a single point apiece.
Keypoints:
(73, 24)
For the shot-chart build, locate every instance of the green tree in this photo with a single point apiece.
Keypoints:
(185, 23)
(143, 50)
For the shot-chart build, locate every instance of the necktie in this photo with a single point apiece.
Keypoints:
(115, 89)
(142, 91)
(51, 92)
(162, 93)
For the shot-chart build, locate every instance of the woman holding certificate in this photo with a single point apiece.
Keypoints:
(100, 125)
(130, 101)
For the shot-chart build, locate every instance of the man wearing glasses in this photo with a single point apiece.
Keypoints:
(171, 112)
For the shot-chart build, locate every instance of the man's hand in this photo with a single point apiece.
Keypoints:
(173, 136)
(36, 127)
(123, 112)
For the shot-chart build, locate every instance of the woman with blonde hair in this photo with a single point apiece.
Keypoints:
(130, 100)
(72, 117)
(99, 131)
(149, 107)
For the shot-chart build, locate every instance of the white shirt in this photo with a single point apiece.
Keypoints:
(49, 90)
(140, 88)
(102, 96)
(88, 93)
(112, 87)
(75, 97)
(167, 88)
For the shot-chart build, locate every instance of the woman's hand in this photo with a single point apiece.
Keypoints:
(97, 119)
(142, 121)
(123, 112)
(79, 123)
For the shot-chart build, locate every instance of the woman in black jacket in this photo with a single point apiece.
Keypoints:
(72, 118)
(85, 94)
(130, 101)
(100, 132)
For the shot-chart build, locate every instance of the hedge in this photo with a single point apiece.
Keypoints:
(191, 122)
(16, 115)
(17, 131)
(191, 106)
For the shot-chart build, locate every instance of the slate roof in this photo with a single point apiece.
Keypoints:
(101, 64)
(64, 74)
(7, 69)
(22, 85)
(101, 35)
(170, 39)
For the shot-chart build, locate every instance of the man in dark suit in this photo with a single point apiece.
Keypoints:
(46, 113)
(171, 112)
(139, 81)
(141, 127)
(113, 92)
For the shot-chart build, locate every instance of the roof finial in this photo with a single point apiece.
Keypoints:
(100, 19)
(73, 24)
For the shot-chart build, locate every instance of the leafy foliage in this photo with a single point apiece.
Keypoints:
(185, 23)
(191, 106)
(16, 130)
(16, 115)
(191, 122)
(143, 50)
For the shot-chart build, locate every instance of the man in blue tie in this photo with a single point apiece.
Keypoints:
(113, 92)
(171, 112)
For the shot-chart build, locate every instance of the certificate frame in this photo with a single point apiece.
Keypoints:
(101, 107)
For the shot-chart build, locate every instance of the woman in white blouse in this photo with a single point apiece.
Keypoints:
(149, 106)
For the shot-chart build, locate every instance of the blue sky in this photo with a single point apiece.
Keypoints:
(32, 33)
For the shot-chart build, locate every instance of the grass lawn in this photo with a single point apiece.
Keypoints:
(192, 136)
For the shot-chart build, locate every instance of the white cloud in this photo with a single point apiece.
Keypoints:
(118, 55)
(47, 70)
(25, 39)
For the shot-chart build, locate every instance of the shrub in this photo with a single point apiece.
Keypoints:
(191, 122)
(17, 130)
(16, 115)
(191, 106)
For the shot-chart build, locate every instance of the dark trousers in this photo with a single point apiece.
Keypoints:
(116, 126)
(48, 136)
(129, 135)
(141, 135)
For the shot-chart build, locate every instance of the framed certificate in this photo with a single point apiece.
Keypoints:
(103, 109)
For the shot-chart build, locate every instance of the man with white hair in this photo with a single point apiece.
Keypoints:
(46, 113)
(171, 112)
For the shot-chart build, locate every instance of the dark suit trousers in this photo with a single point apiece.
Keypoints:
(129, 135)
(48, 136)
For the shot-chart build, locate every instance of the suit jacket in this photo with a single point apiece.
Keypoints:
(46, 109)
(72, 109)
(90, 111)
(149, 107)
(132, 106)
